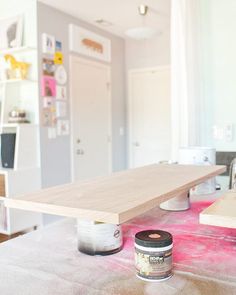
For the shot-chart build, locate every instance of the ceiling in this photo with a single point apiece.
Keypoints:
(122, 14)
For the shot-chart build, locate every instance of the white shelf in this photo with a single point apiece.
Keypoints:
(10, 81)
(15, 125)
(26, 174)
(17, 50)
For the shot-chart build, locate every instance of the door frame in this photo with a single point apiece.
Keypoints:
(75, 58)
(129, 106)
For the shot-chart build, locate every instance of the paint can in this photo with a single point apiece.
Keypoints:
(153, 255)
(98, 238)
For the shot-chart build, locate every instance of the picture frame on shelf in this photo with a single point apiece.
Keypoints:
(11, 32)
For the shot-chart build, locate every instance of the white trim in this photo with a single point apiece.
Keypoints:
(100, 65)
(129, 105)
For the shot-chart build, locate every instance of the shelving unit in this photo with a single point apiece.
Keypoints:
(17, 50)
(24, 180)
(17, 81)
(26, 175)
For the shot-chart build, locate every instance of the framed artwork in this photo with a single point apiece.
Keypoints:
(11, 32)
(61, 92)
(46, 117)
(48, 86)
(88, 43)
(58, 46)
(48, 67)
(61, 109)
(63, 127)
(48, 102)
(48, 43)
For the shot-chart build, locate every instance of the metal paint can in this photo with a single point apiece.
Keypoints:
(98, 238)
(153, 255)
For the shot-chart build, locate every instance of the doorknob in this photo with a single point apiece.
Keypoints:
(80, 152)
(136, 143)
(78, 140)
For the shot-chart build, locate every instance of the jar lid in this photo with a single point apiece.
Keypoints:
(153, 238)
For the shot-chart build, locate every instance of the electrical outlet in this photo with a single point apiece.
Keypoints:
(229, 132)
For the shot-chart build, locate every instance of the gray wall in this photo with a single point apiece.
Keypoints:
(55, 153)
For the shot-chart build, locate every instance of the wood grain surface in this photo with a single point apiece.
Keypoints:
(118, 197)
(222, 212)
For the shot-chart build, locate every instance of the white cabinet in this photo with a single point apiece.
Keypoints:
(12, 184)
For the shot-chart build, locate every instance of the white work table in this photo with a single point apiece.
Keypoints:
(118, 197)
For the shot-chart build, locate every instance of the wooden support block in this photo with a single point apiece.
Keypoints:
(2, 186)
(222, 212)
(118, 197)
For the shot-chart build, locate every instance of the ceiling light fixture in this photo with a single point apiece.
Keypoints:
(142, 32)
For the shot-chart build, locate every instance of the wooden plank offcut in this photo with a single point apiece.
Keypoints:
(118, 197)
(222, 212)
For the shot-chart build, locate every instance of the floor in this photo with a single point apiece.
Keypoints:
(4, 238)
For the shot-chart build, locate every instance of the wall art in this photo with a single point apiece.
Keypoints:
(85, 42)
(48, 67)
(48, 86)
(11, 32)
(61, 109)
(61, 75)
(58, 46)
(58, 58)
(63, 127)
(48, 43)
(61, 92)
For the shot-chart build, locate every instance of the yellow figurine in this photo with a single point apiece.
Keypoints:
(22, 67)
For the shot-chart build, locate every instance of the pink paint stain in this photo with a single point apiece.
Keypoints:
(204, 249)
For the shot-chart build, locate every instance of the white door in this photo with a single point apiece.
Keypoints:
(149, 116)
(91, 122)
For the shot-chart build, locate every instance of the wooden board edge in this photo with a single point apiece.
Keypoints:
(127, 215)
(142, 209)
(217, 220)
(52, 209)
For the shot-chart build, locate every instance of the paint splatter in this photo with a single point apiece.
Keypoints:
(202, 249)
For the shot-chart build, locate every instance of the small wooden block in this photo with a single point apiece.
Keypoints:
(118, 197)
(222, 212)
(2, 186)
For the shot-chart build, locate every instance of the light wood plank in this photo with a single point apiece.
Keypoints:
(118, 197)
(222, 212)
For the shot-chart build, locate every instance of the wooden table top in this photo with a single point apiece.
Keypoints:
(222, 212)
(118, 197)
